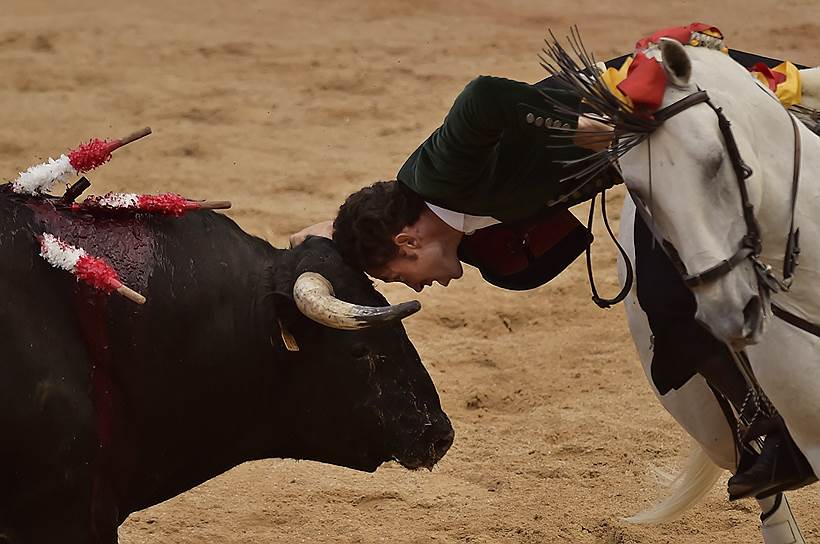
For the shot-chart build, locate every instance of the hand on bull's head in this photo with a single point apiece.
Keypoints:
(354, 362)
(388, 231)
(323, 229)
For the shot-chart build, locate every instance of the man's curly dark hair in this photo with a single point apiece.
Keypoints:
(369, 219)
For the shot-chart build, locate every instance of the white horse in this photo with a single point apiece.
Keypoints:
(687, 181)
(694, 199)
(696, 409)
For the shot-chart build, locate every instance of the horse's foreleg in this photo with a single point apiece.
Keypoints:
(777, 522)
(694, 406)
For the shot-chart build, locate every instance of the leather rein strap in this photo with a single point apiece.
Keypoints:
(596, 298)
(792, 257)
(795, 320)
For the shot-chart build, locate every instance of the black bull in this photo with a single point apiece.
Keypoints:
(107, 407)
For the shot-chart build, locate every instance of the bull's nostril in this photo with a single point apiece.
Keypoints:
(443, 443)
(428, 448)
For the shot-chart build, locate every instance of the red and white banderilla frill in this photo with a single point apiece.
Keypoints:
(164, 203)
(40, 178)
(87, 268)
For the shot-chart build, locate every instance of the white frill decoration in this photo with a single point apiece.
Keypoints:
(60, 254)
(41, 178)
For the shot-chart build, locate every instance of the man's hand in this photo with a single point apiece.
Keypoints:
(592, 134)
(325, 229)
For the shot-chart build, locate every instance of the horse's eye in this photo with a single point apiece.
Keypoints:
(360, 351)
(713, 164)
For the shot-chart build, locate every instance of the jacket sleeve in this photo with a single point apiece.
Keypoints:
(463, 151)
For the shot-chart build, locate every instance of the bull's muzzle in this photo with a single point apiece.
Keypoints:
(430, 447)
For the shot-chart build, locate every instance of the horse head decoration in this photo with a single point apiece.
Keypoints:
(713, 167)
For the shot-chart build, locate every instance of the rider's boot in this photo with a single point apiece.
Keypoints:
(781, 466)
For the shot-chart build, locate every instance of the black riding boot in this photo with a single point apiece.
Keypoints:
(780, 466)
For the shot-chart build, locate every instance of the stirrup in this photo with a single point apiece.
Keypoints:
(780, 466)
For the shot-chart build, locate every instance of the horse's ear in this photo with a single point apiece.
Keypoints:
(810, 81)
(676, 62)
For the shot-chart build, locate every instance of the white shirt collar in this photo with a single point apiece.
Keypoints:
(463, 222)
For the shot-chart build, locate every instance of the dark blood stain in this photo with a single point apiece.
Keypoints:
(90, 306)
(123, 240)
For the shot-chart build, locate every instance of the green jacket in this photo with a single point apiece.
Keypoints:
(491, 157)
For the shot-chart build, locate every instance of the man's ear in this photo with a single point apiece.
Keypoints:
(406, 240)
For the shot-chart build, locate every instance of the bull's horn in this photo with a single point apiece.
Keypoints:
(313, 294)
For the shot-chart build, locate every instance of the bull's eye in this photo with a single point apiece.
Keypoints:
(360, 351)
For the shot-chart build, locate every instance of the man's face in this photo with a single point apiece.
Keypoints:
(418, 264)
(427, 252)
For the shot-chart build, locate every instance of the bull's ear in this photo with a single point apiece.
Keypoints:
(676, 62)
(289, 325)
(288, 340)
(286, 316)
(281, 280)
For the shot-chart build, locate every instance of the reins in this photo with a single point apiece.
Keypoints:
(596, 298)
(792, 256)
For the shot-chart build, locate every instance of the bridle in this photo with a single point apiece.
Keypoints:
(751, 245)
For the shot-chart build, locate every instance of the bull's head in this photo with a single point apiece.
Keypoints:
(356, 388)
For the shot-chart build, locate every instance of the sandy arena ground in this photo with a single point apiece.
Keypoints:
(285, 107)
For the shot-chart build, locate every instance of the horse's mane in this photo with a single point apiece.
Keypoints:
(577, 72)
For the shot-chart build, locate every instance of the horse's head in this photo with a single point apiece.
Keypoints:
(686, 177)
